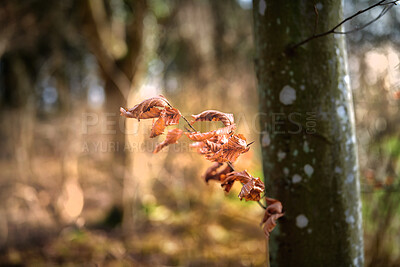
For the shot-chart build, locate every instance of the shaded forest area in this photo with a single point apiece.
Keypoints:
(79, 184)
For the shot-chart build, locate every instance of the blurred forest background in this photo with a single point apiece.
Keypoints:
(79, 184)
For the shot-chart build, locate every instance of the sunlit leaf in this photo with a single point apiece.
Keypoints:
(231, 150)
(171, 116)
(214, 115)
(172, 138)
(146, 109)
(252, 190)
(158, 127)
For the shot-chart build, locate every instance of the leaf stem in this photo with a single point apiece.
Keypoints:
(188, 123)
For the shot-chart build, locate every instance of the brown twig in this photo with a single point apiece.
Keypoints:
(387, 5)
(189, 123)
(229, 163)
(250, 143)
(183, 118)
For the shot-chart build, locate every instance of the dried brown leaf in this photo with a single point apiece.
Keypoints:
(217, 136)
(212, 146)
(152, 112)
(172, 138)
(243, 177)
(271, 223)
(272, 213)
(225, 130)
(197, 145)
(231, 150)
(212, 172)
(171, 115)
(252, 190)
(214, 115)
(158, 127)
(198, 136)
(146, 109)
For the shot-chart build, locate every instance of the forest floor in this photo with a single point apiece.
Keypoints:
(201, 227)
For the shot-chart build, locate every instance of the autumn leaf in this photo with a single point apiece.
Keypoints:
(196, 145)
(216, 173)
(152, 112)
(218, 146)
(272, 213)
(214, 115)
(217, 134)
(171, 116)
(225, 130)
(172, 138)
(158, 127)
(252, 190)
(252, 187)
(231, 150)
(231, 177)
(198, 136)
(212, 146)
(146, 109)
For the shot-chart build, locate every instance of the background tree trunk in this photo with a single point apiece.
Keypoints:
(308, 136)
(119, 68)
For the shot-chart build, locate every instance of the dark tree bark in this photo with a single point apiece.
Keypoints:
(308, 136)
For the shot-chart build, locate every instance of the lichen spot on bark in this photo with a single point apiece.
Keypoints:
(308, 169)
(287, 96)
(341, 111)
(266, 140)
(349, 217)
(349, 178)
(338, 170)
(285, 171)
(296, 179)
(301, 221)
(281, 155)
(262, 7)
(306, 148)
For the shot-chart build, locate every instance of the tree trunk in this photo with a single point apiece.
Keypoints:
(307, 134)
(120, 74)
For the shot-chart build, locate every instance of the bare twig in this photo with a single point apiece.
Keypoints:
(183, 118)
(316, 19)
(383, 12)
(250, 143)
(188, 123)
(386, 8)
(229, 163)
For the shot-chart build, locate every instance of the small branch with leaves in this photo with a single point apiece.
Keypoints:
(387, 5)
(222, 146)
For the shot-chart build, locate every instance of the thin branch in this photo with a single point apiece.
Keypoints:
(188, 123)
(252, 142)
(183, 118)
(229, 163)
(387, 5)
(383, 12)
(316, 19)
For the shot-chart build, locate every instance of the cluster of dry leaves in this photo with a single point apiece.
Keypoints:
(221, 146)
